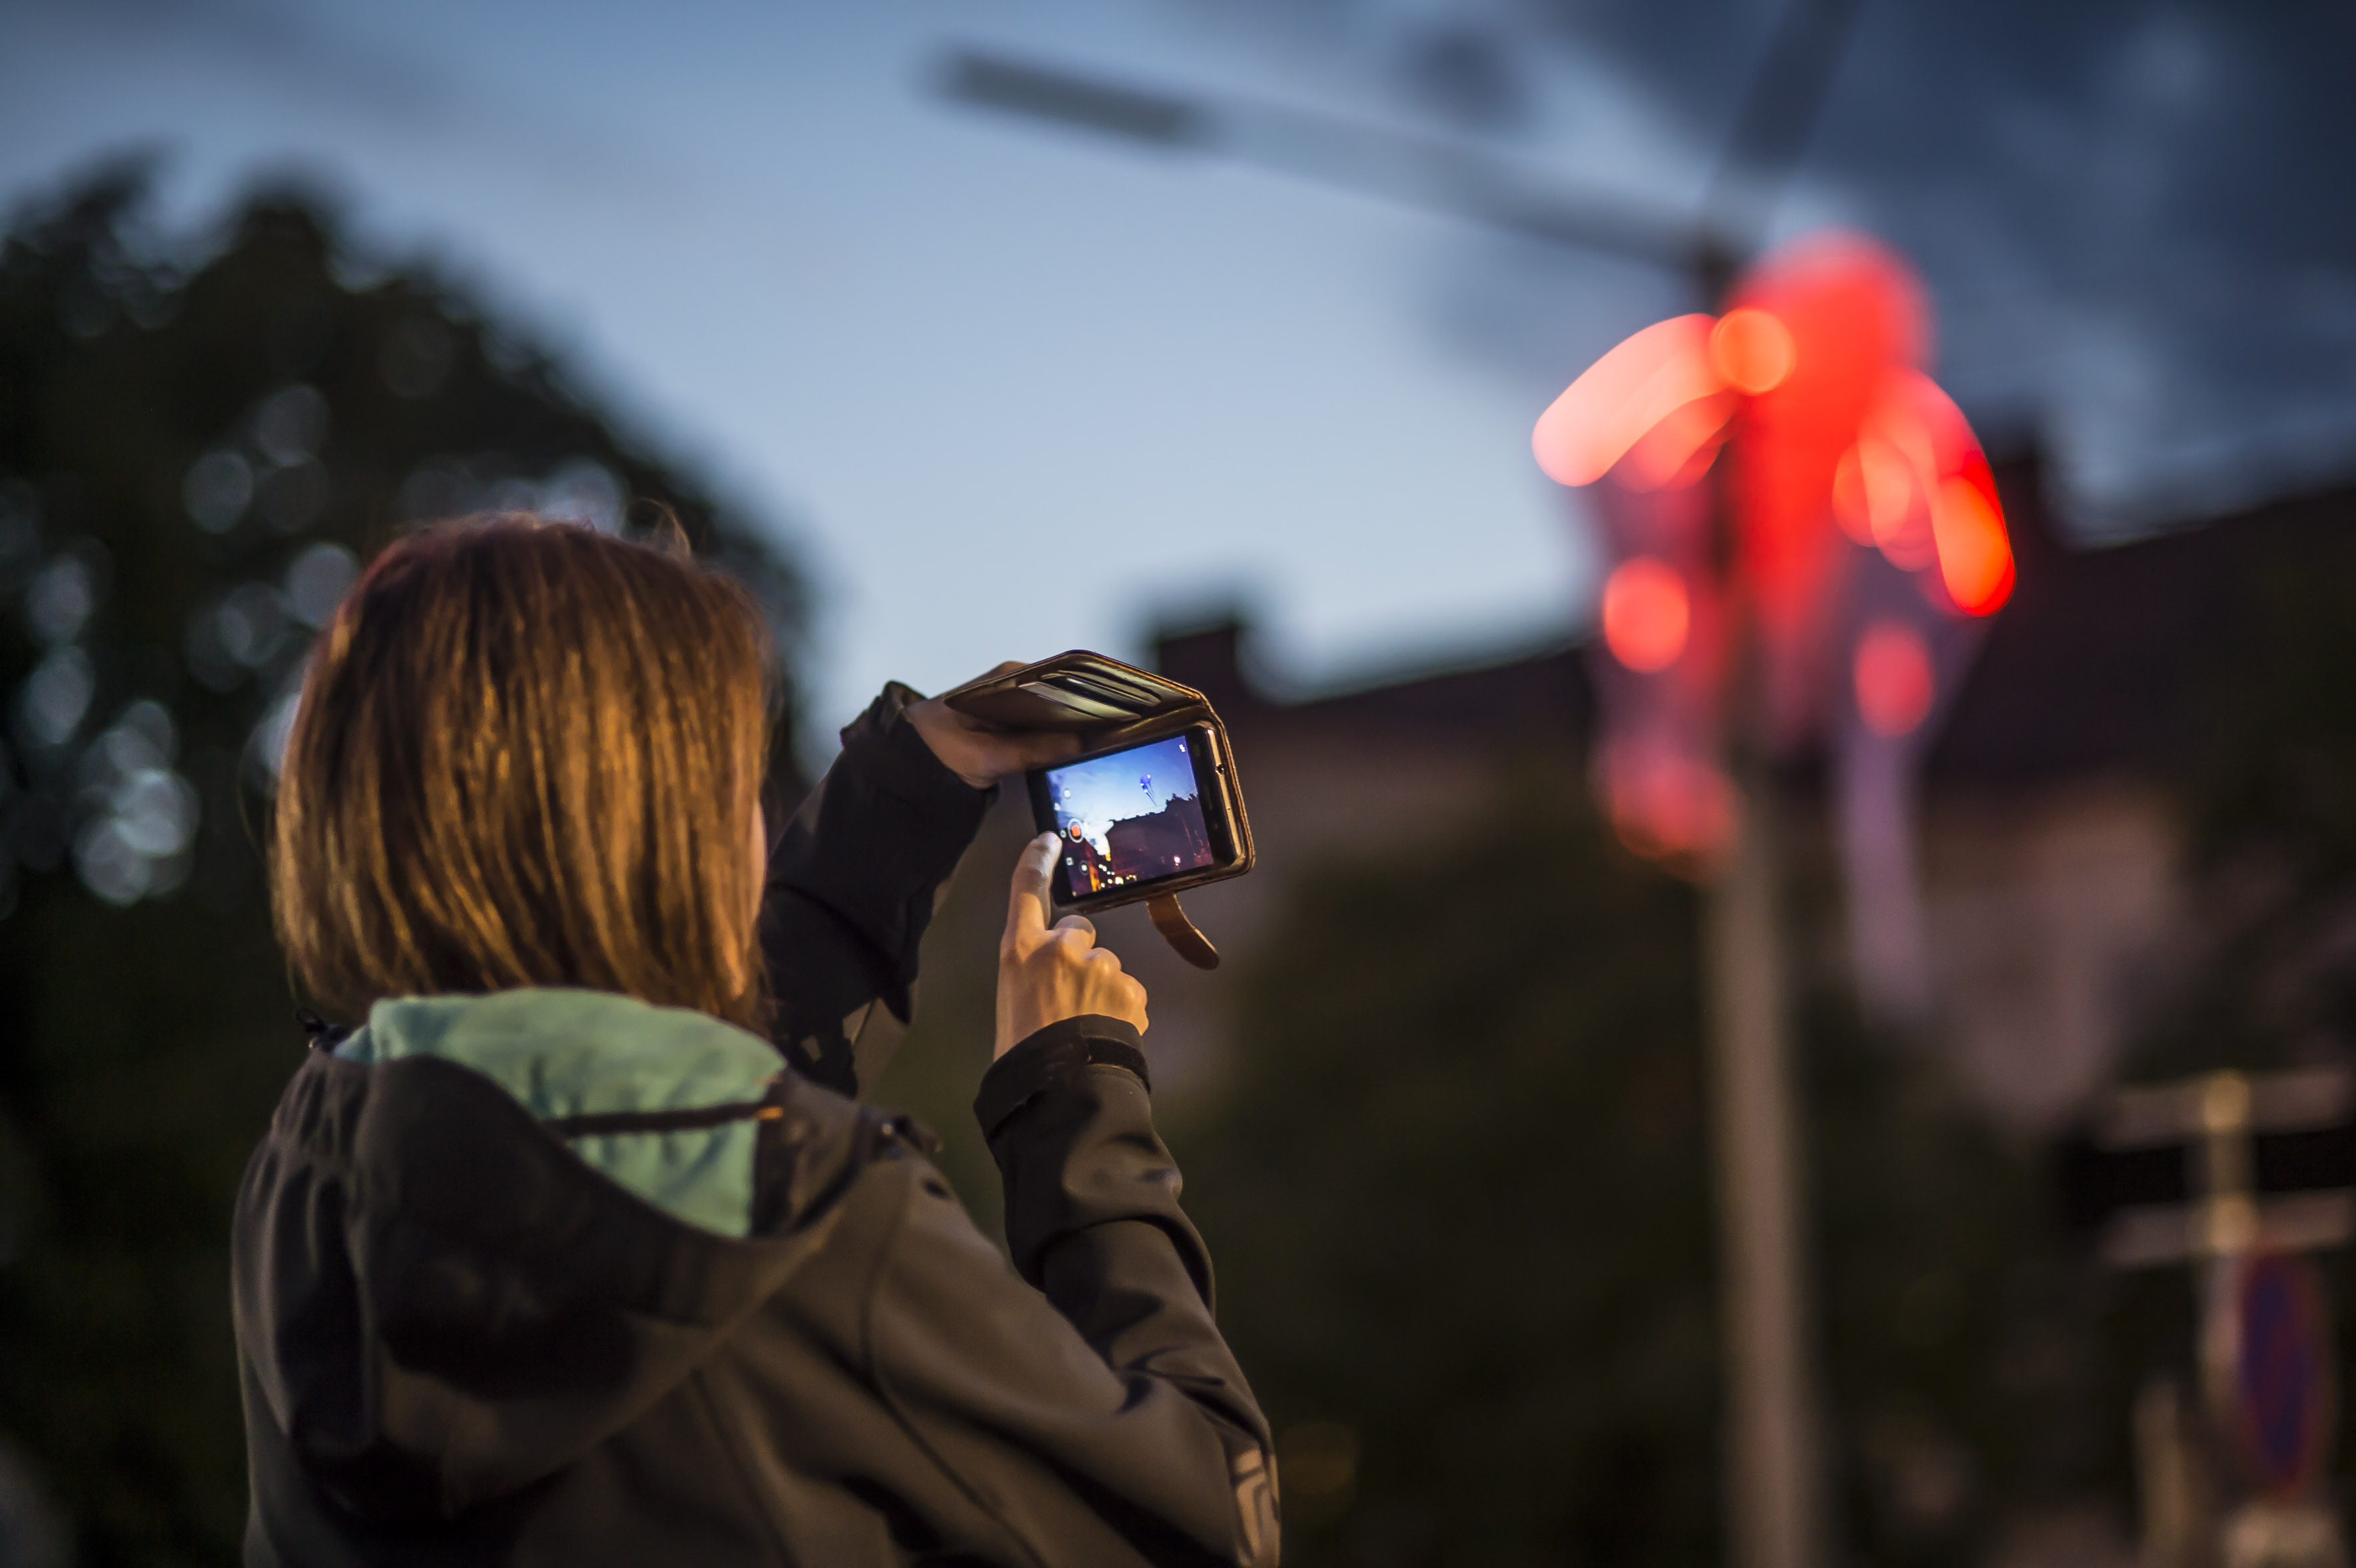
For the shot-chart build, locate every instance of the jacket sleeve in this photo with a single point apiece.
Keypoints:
(852, 883)
(1118, 1427)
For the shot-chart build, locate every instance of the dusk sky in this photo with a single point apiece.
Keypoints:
(1006, 389)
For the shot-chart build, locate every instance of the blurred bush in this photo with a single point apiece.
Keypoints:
(2266, 975)
(2267, 788)
(200, 444)
(1458, 1185)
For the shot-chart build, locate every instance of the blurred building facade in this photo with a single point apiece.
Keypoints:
(1384, 767)
(2050, 853)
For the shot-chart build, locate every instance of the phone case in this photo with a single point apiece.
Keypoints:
(1109, 704)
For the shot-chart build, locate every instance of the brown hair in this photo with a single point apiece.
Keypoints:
(527, 754)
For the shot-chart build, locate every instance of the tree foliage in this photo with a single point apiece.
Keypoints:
(1459, 1198)
(2266, 978)
(1459, 1188)
(2268, 790)
(198, 446)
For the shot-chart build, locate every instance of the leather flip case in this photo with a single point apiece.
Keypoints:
(1109, 704)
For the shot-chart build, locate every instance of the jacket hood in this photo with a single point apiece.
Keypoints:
(488, 1232)
(588, 1058)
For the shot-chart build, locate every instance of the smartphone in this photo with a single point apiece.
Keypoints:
(1149, 817)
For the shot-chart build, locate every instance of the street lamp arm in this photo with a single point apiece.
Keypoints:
(1017, 87)
(1771, 129)
(1431, 172)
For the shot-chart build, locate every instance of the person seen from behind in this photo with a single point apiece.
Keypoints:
(576, 1245)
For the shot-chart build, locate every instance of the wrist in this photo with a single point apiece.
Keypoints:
(887, 746)
(1056, 1055)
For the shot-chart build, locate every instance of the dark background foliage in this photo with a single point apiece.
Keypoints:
(145, 1016)
(2268, 792)
(1459, 1197)
(1460, 1192)
(2267, 979)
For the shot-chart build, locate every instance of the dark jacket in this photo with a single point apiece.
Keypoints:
(556, 1277)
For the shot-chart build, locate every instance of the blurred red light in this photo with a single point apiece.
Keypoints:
(1681, 449)
(1894, 683)
(1645, 614)
(1851, 313)
(1752, 349)
(1667, 806)
(1851, 509)
(1622, 396)
(1811, 390)
(1975, 557)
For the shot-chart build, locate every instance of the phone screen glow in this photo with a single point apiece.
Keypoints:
(1128, 817)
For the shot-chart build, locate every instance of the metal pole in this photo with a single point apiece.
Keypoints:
(1772, 1518)
(1775, 1517)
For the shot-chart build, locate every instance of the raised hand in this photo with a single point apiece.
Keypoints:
(982, 754)
(1048, 974)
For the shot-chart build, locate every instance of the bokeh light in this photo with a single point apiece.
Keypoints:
(1646, 613)
(1895, 685)
(61, 599)
(1752, 349)
(1666, 805)
(218, 489)
(316, 580)
(291, 424)
(137, 845)
(56, 694)
(1679, 450)
(1975, 557)
(1622, 396)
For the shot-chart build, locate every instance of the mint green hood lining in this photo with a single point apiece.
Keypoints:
(581, 1053)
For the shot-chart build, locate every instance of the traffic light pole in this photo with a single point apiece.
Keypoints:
(1772, 1519)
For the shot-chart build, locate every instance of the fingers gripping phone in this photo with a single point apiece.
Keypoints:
(1151, 805)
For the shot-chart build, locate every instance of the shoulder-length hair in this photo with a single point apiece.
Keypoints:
(528, 753)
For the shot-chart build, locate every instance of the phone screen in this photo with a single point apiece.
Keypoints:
(1131, 816)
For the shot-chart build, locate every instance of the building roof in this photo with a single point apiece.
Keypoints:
(1515, 697)
(2092, 670)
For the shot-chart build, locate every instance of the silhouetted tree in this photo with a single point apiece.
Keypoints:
(199, 447)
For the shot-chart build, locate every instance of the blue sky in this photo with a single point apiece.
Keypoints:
(936, 348)
(947, 354)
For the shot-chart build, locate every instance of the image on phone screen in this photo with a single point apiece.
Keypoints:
(1129, 816)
